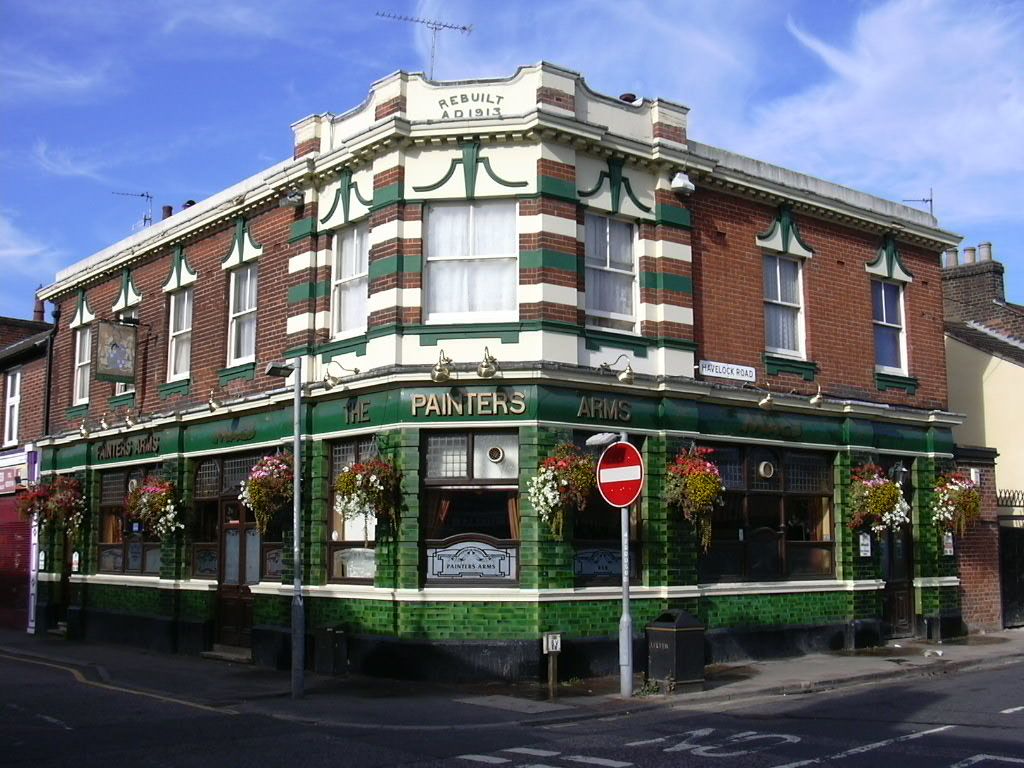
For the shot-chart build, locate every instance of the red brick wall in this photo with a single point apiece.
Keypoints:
(269, 227)
(13, 331)
(978, 561)
(30, 408)
(729, 315)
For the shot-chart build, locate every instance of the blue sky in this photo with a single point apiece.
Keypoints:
(183, 98)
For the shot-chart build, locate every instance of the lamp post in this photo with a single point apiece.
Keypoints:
(284, 370)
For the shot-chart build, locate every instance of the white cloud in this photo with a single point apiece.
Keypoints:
(62, 162)
(27, 76)
(27, 262)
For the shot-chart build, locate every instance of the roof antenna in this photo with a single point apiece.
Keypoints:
(147, 218)
(930, 200)
(433, 25)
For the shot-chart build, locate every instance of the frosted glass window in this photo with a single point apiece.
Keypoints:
(252, 556)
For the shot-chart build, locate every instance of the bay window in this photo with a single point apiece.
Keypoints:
(242, 316)
(179, 337)
(783, 306)
(471, 272)
(776, 522)
(887, 317)
(349, 281)
(610, 273)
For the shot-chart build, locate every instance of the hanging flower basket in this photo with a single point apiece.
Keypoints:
(34, 501)
(367, 487)
(877, 502)
(956, 503)
(268, 488)
(67, 505)
(564, 483)
(694, 485)
(153, 502)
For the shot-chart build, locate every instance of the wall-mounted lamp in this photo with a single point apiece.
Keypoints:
(128, 420)
(442, 370)
(103, 421)
(818, 399)
(767, 401)
(212, 402)
(330, 382)
(83, 430)
(625, 375)
(488, 366)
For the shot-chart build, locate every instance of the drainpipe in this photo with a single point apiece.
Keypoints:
(47, 391)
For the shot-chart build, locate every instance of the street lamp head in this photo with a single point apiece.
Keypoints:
(602, 438)
(282, 370)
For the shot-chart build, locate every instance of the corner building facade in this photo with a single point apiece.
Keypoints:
(531, 227)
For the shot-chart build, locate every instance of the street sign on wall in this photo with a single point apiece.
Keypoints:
(620, 474)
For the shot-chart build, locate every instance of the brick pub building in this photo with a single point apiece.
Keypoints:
(612, 274)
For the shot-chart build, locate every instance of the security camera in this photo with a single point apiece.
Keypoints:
(681, 183)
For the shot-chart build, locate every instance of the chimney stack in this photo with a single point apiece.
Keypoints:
(167, 212)
(985, 252)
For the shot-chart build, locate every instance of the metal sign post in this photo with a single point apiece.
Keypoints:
(620, 479)
(552, 647)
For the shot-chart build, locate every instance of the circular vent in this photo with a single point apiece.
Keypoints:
(133, 484)
(495, 454)
(766, 469)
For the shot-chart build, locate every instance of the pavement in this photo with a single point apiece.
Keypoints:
(361, 702)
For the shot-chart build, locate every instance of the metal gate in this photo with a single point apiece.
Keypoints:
(1011, 559)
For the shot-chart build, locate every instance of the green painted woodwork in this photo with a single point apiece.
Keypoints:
(355, 344)
(790, 231)
(140, 445)
(78, 412)
(545, 258)
(470, 161)
(179, 266)
(238, 241)
(596, 340)
(383, 196)
(309, 291)
(127, 400)
(888, 255)
(664, 281)
(343, 196)
(670, 343)
(770, 425)
(560, 189)
(885, 381)
(774, 366)
(431, 335)
(302, 228)
(244, 372)
(234, 433)
(392, 265)
(617, 182)
(670, 215)
(172, 388)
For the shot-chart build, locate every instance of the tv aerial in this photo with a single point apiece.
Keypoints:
(433, 25)
(930, 200)
(147, 217)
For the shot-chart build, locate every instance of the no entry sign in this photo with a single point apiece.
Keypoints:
(620, 474)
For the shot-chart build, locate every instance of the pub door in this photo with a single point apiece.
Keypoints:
(239, 568)
(897, 557)
(1011, 557)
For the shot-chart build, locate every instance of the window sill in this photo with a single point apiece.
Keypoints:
(775, 364)
(887, 381)
(77, 411)
(243, 372)
(172, 388)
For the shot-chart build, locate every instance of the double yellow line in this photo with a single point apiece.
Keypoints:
(79, 677)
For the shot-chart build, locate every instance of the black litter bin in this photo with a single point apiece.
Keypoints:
(675, 649)
(330, 651)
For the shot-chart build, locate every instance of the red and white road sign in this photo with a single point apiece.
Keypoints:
(620, 474)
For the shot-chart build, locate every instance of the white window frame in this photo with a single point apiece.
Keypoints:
(903, 367)
(338, 282)
(234, 317)
(174, 335)
(79, 385)
(121, 387)
(801, 353)
(616, 316)
(448, 318)
(12, 406)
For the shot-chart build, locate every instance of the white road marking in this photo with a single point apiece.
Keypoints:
(531, 752)
(867, 747)
(619, 474)
(1011, 710)
(55, 721)
(597, 761)
(985, 758)
(490, 759)
(645, 742)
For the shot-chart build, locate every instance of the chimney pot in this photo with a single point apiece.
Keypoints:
(38, 311)
(188, 204)
(949, 257)
(168, 211)
(969, 255)
(985, 252)
(629, 98)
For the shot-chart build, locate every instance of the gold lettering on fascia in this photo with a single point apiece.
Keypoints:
(759, 424)
(357, 412)
(239, 436)
(472, 104)
(127, 447)
(469, 404)
(604, 409)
